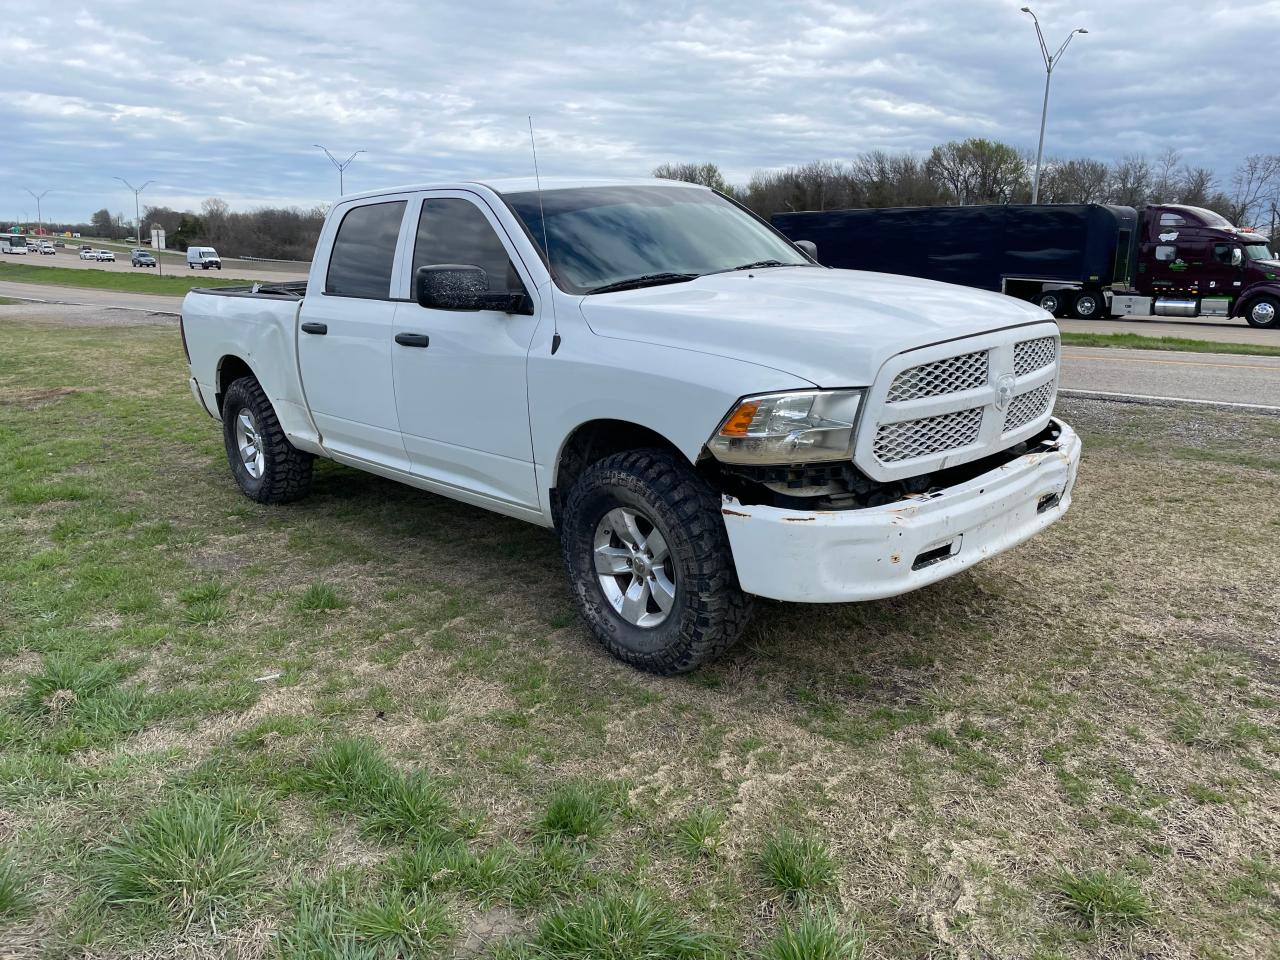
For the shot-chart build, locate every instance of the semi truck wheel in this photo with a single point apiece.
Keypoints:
(1051, 301)
(267, 467)
(1089, 305)
(649, 562)
(1264, 312)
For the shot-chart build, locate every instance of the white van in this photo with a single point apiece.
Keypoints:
(203, 257)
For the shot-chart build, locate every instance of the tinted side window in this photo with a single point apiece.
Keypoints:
(453, 230)
(364, 250)
(1222, 253)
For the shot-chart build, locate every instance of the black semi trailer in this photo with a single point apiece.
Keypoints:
(1061, 256)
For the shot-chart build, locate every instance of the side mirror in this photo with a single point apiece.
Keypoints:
(1237, 256)
(451, 286)
(809, 247)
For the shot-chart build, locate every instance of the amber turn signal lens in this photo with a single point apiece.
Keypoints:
(737, 424)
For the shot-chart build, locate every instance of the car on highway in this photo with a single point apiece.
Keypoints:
(46, 248)
(141, 258)
(88, 253)
(700, 410)
(104, 255)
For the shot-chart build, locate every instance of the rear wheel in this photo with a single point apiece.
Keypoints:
(1089, 305)
(649, 562)
(267, 467)
(1264, 312)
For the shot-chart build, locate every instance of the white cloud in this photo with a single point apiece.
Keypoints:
(229, 101)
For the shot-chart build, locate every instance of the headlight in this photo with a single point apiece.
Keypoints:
(789, 428)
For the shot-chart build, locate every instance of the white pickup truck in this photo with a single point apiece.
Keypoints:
(700, 410)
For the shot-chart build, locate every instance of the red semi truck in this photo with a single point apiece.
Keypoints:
(1086, 260)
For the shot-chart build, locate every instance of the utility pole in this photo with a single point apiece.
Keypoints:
(1049, 63)
(38, 197)
(341, 166)
(137, 215)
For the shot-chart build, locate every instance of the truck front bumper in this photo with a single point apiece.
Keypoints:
(843, 555)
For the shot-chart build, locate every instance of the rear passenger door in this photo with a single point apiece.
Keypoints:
(345, 335)
(460, 376)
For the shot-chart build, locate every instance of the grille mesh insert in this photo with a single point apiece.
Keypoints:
(918, 438)
(1028, 406)
(951, 375)
(1032, 355)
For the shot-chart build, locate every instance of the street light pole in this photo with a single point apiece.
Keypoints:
(137, 214)
(341, 166)
(39, 220)
(1050, 61)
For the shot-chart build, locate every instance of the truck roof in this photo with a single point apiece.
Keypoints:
(506, 185)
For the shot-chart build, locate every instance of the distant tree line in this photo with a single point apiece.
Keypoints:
(984, 171)
(278, 233)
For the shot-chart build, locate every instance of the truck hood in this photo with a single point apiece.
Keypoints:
(834, 328)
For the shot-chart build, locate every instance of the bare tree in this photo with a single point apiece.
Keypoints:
(1166, 182)
(707, 174)
(979, 171)
(1255, 188)
(1075, 181)
(1130, 181)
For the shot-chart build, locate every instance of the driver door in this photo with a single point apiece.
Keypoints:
(460, 377)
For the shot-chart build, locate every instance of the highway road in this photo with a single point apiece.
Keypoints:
(69, 258)
(1212, 377)
(1202, 328)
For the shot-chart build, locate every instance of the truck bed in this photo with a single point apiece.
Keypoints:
(289, 290)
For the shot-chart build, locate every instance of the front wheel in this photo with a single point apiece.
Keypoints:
(1264, 312)
(649, 562)
(267, 467)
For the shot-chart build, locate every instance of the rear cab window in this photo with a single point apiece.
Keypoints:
(364, 251)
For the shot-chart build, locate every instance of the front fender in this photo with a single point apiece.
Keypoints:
(1251, 293)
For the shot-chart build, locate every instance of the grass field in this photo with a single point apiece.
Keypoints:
(150, 282)
(1137, 341)
(370, 725)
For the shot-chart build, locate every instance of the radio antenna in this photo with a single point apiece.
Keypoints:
(546, 244)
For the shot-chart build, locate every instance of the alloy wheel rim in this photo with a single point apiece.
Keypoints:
(634, 567)
(249, 443)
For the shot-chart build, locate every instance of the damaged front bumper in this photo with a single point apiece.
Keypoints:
(835, 556)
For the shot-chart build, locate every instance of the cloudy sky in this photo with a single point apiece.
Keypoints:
(226, 98)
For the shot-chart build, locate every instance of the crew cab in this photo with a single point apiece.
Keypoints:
(701, 411)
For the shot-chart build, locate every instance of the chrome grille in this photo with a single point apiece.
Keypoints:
(1028, 406)
(918, 438)
(951, 375)
(1032, 355)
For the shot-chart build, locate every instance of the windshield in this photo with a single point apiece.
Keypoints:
(1258, 251)
(601, 236)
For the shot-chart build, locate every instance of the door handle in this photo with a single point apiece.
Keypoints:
(319, 329)
(413, 340)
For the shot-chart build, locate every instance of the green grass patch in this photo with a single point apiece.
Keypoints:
(577, 811)
(320, 597)
(354, 777)
(617, 927)
(815, 936)
(797, 864)
(148, 282)
(340, 925)
(194, 858)
(1101, 897)
(697, 833)
(16, 900)
(1137, 341)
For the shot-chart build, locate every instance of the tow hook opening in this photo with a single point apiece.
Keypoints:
(1048, 502)
(928, 558)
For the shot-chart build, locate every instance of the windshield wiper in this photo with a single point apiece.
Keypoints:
(646, 280)
(767, 263)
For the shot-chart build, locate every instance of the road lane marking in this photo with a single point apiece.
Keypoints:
(1140, 397)
(1178, 363)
